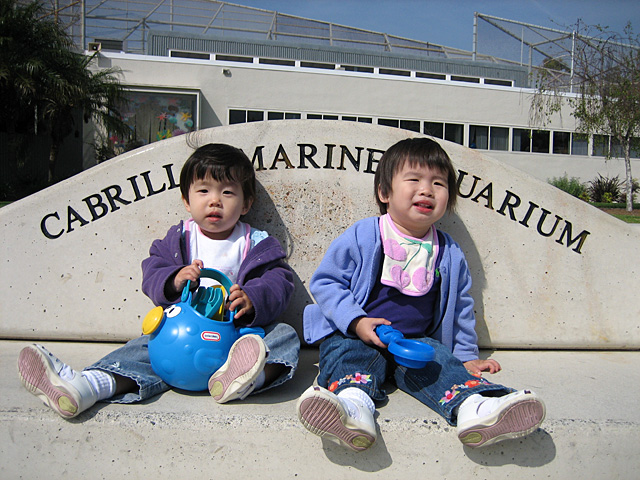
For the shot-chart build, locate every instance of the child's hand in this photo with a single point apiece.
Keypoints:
(479, 366)
(190, 272)
(365, 329)
(239, 300)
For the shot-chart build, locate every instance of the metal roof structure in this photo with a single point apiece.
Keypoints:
(127, 23)
(515, 49)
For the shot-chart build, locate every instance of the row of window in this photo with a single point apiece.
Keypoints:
(334, 66)
(481, 137)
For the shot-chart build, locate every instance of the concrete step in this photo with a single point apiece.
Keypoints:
(590, 430)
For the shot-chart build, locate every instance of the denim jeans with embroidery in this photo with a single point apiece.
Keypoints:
(443, 384)
(132, 361)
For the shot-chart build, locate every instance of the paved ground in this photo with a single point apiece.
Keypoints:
(590, 431)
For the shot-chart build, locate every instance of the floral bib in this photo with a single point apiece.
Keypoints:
(409, 263)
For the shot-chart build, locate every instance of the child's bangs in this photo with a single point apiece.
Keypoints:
(220, 173)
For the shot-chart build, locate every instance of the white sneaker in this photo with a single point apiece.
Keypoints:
(487, 420)
(60, 387)
(325, 414)
(235, 379)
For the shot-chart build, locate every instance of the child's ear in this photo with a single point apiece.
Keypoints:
(383, 198)
(186, 204)
(247, 205)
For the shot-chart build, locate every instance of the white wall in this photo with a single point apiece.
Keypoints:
(264, 87)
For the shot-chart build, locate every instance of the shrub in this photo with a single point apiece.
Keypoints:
(605, 190)
(572, 186)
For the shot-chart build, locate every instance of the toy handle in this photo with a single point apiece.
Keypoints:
(213, 274)
(388, 334)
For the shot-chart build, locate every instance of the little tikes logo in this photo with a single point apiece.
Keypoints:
(210, 336)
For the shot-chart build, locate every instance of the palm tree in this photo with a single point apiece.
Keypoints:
(98, 95)
(43, 81)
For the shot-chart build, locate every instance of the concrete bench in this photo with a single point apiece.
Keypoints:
(555, 283)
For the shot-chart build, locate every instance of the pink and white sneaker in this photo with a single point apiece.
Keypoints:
(349, 423)
(60, 387)
(487, 420)
(235, 379)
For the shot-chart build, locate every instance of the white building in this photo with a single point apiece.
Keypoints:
(199, 64)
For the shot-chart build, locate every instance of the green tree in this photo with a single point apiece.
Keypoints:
(606, 84)
(43, 81)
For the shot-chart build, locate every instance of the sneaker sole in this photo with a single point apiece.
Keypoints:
(323, 418)
(39, 379)
(246, 361)
(517, 420)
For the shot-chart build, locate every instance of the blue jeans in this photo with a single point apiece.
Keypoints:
(132, 361)
(443, 384)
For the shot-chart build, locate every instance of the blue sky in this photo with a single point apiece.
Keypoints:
(450, 23)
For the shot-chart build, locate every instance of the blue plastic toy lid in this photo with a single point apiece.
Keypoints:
(411, 353)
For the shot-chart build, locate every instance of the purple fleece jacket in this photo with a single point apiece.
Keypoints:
(263, 275)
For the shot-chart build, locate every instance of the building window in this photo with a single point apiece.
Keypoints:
(499, 138)
(324, 66)
(600, 146)
(282, 116)
(389, 122)
(354, 68)
(433, 76)
(154, 115)
(413, 125)
(318, 116)
(478, 137)
(277, 61)
(391, 71)
(540, 141)
(460, 78)
(233, 58)
(616, 148)
(435, 129)
(503, 83)
(453, 132)
(561, 142)
(237, 116)
(521, 141)
(579, 144)
(635, 148)
(255, 116)
(351, 118)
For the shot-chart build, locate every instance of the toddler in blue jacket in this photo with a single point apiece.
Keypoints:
(399, 270)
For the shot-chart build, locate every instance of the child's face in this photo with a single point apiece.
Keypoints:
(216, 206)
(418, 198)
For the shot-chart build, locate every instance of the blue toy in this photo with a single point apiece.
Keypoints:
(409, 353)
(190, 340)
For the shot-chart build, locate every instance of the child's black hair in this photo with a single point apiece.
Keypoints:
(224, 163)
(422, 152)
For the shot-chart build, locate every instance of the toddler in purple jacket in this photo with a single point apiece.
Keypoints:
(217, 183)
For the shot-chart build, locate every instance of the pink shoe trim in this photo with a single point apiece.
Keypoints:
(323, 417)
(245, 362)
(34, 376)
(518, 420)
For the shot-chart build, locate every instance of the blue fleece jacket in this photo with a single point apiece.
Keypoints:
(346, 275)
